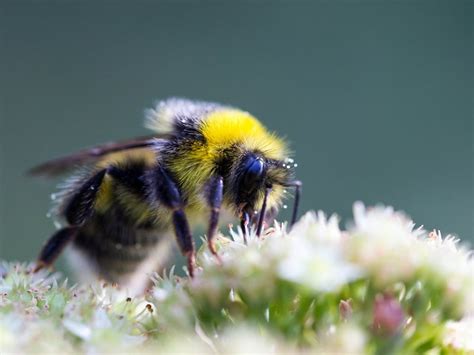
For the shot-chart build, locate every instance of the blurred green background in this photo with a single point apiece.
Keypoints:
(375, 97)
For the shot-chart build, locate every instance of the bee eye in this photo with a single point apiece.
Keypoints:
(254, 170)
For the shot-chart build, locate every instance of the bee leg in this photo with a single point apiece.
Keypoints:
(54, 246)
(78, 209)
(184, 237)
(297, 185)
(262, 211)
(270, 216)
(81, 206)
(167, 193)
(268, 219)
(214, 193)
(244, 224)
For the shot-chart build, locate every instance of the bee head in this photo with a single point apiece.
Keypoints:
(251, 175)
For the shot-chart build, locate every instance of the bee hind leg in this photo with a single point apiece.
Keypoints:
(78, 209)
(54, 246)
(81, 205)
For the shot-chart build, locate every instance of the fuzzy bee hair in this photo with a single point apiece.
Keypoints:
(203, 158)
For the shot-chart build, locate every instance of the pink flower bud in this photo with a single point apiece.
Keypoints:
(345, 309)
(388, 315)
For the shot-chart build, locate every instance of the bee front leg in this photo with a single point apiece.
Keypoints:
(166, 192)
(244, 225)
(214, 192)
(263, 211)
(297, 185)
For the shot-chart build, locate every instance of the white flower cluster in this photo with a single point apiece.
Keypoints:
(381, 247)
(381, 244)
(331, 290)
(387, 246)
(310, 256)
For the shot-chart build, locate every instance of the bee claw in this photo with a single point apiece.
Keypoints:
(218, 259)
(212, 249)
(191, 263)
(39, 266)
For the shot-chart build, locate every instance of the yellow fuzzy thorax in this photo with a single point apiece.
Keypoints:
(224, 128)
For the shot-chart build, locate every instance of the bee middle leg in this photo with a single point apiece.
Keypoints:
(168, 194)
(214, 192)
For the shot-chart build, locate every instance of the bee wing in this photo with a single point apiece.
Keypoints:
(90, 155)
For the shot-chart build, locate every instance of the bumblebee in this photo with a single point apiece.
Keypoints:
(128, 197)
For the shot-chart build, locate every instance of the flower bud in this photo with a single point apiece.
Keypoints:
(388, 315)
(345, 309)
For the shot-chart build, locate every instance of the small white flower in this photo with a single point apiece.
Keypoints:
(385, 244)
(160, 294)
(101, 319)
(347, 338)
(316, 225)
(460, 335)
(317, 266)
(79, 329)
(382, 241)
(247, 340)
(380, 221)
